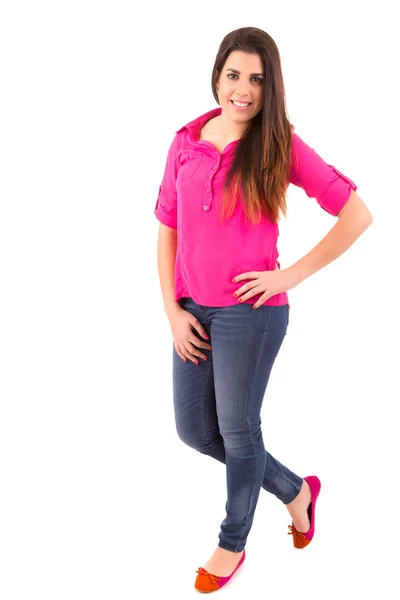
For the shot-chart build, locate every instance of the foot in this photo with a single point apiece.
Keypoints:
(298, 508)
(223, 562)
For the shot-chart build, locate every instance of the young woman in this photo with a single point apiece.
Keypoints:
(220, 199)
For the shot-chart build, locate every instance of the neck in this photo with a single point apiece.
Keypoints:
(229, 128)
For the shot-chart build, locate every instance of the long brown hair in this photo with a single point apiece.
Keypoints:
(262, 157)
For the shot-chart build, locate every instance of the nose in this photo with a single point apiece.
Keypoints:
(242, 92)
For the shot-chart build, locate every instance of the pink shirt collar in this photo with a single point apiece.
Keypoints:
(196, 125)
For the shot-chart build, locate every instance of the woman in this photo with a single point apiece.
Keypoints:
(222, 193)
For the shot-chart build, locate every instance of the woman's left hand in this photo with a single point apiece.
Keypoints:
(267, 283)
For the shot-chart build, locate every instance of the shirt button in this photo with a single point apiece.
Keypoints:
(215, 168)
(209, 177)
(208, 189)
(205, 207)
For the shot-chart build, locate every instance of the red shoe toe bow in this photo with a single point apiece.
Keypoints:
(205, 581)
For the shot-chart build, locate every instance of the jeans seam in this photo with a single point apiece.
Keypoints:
(203, 405)
(255, 367)
(204, 390)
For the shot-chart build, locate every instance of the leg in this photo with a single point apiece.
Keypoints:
(194, 397)
(197, 424)
(245, 344)
(196, 414)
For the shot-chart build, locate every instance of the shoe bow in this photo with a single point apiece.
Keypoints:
(293, 531)
(214, 578)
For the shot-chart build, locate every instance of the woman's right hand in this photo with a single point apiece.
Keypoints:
(186, 343)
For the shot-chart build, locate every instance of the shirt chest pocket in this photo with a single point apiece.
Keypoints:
(189, 168)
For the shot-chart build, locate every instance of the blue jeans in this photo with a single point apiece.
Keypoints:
(217, 406)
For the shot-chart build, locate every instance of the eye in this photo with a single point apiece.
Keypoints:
(232, 75)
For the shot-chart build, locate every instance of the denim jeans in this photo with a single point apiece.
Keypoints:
(217, 406)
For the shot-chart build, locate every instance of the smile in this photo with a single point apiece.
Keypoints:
(240, 105)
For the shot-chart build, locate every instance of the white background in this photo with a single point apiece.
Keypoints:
(99, 499)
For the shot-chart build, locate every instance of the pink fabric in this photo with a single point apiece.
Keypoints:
(224, 580)
(209, 254)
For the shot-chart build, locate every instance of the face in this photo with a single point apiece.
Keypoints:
(242, 79)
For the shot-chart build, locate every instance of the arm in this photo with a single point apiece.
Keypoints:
(336, 194)
(166, 213)
(166, 256)
(353, 219)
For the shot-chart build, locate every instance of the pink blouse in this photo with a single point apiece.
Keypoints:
(209, 254)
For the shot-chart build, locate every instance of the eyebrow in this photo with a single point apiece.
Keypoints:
(251, 74)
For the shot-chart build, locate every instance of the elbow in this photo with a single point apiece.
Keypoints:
(370, 220)
(363, 220)
(357, 210)
(366, 218)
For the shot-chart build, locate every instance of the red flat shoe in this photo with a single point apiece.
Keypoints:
(301, 540)
(207, 582)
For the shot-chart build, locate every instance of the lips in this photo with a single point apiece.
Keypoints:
(239, 109)
(247, 103)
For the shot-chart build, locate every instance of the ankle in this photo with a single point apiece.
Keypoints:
(304, 493)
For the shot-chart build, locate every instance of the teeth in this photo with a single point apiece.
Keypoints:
(241, 103)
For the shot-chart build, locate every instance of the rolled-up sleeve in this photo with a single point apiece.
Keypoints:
(319, 180)
(166, 204)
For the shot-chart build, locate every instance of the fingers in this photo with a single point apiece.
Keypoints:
(248, 287)
(257, 289)
(189, 351)
(179, 353)
(192, 349)
(185, 354)
(196, 342)
(200, 329)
